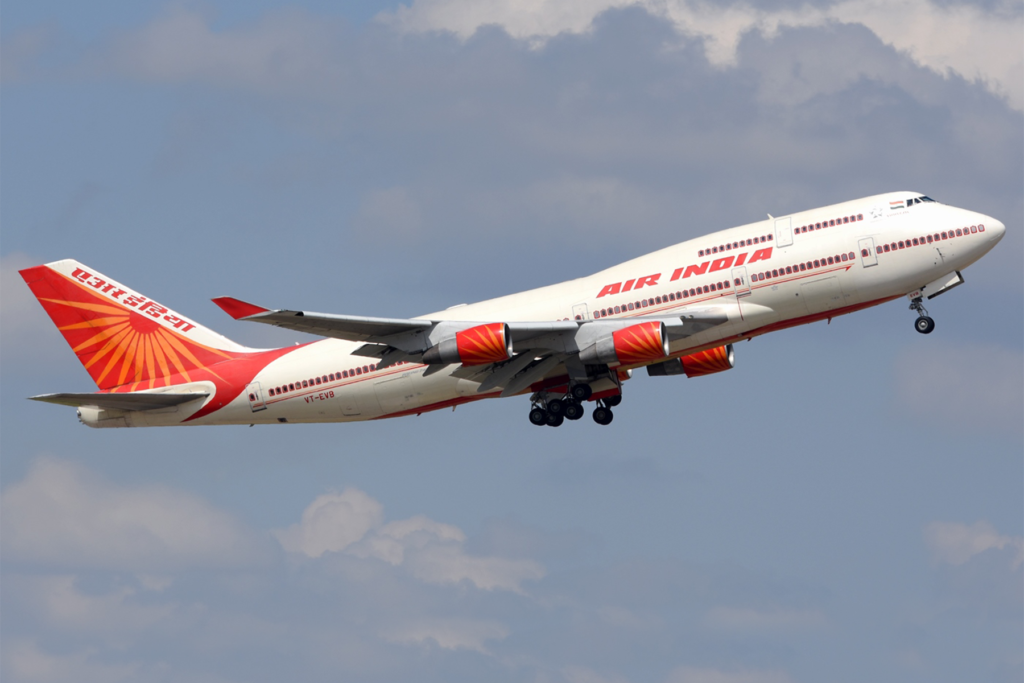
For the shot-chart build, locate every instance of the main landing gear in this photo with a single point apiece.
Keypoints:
(553, 412)
(923, 324)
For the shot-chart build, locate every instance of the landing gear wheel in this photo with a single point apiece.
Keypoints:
(555, 420)
(573, 410)
(581, 392)
(539, 416)
(603, 416)
(556, 406)
(924, 325)
(613, 401)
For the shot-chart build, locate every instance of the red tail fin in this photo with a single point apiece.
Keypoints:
(121, 337)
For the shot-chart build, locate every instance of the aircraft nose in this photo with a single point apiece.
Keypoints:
(994, 228)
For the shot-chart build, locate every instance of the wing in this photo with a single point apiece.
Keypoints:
(132, 401)
(541, 347)
(349, 327)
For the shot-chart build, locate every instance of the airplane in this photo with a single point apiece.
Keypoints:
(676, 311)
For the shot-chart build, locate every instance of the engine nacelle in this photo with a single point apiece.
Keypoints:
(490, 343)
(696, 364)
(631, 345)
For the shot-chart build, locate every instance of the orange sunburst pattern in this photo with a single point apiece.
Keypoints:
(640, 343)
(119, 347)
(484, 344)
(707, 362)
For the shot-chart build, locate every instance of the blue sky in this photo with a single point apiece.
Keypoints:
(844, 505)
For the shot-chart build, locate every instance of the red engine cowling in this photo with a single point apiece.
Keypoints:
(640, 343)
(708, 362)
(490, 343)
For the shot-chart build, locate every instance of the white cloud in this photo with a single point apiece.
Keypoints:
(450, 634)
(956, 543)
(331, 523)
(686, 674)
(433, 552)
(62, 514)
(964, 39)
(963, 386)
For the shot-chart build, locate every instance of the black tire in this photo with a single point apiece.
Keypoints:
(924, 325)
(573, 410)
(556, 406)
(581, 392)
(555, 420)
(603, 416)
(539, 416)
(613, 401)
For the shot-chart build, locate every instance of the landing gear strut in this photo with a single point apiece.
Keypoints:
(554, 410)
(923, 324)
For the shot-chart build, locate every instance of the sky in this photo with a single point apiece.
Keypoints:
(844, 505)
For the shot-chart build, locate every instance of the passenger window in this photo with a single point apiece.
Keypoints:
(618, 310)
(644, 303)
(630, 307)
(974, 228)
(318, 380)
(830, 261)
(700, 253)
(981, 227)
(803, 267)
(959, 233)
(305, 383)
(714, 250)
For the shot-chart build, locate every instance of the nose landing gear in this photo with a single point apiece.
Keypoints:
(923, 324)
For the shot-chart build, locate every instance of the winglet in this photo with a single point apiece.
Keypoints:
(238, 309)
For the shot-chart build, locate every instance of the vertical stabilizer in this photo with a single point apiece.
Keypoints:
(121, 337)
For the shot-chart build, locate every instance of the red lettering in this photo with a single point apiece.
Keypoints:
(628, 286)
(134, 300)
(155, 309)
(330, 394)
(761, 255)
(97, 283)
(650, 280)
(610, 289)
(81, 275)
(741, 258)
(676, 274)
(696, 270)
(720, 263)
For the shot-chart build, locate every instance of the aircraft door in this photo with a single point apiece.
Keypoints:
(783, 232)
(579, 312)
(868, 257)
(740, 282)
(255, 394)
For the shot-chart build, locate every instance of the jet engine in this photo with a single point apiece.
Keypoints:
(639, 343)
(705, 362)
(490, 343)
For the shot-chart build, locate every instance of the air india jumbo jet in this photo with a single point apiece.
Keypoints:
(676, 311)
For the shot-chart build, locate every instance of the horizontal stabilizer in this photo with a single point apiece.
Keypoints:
(132, 401)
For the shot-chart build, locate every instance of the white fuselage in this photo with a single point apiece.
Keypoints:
(800, 286)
